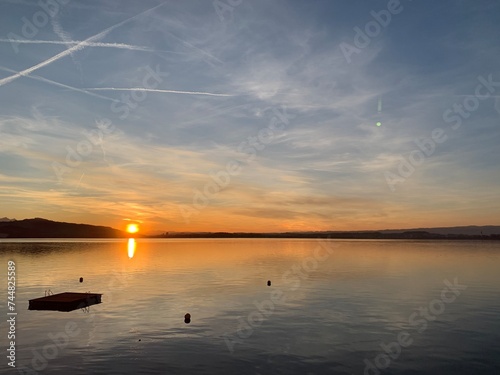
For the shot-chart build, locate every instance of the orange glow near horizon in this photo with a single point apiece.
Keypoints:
(132, 228)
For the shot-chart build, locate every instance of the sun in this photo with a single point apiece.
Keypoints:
(132, 228)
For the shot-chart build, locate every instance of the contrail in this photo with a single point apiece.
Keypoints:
(56, 26)
(86, 44)
(196, 48)
(481, 96)
(42, 79)
(78, 185)
(154, 90)
(75, 48)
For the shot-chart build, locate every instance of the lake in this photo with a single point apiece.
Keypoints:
(333, 306)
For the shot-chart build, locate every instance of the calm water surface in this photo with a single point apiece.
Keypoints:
(334, 307)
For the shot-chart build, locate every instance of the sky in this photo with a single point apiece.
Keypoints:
(243, 115)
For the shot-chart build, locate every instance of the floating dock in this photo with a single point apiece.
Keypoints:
(64, 301)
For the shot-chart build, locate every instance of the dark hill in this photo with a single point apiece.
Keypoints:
(42, 228)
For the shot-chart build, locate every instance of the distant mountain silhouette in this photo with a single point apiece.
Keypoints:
(470, 230)
(42, 228)
(489, 233)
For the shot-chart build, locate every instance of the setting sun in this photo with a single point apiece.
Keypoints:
(132, 228)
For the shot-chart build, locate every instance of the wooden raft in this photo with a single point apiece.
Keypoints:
(67, 301)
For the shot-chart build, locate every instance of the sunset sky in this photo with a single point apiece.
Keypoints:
(251, 115)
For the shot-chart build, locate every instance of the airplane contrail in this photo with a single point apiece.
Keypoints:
(481, 96)
(72, 49)
(154, 90)
(46, 80)
(65, 37)
(195, 48)
(86, 44)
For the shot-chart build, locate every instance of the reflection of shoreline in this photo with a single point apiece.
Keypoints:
(131, 246)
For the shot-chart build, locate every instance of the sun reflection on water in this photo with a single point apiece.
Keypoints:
(131, 247)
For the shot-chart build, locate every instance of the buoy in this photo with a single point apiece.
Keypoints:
(81, 279)
(268, 282)
(187, 318)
